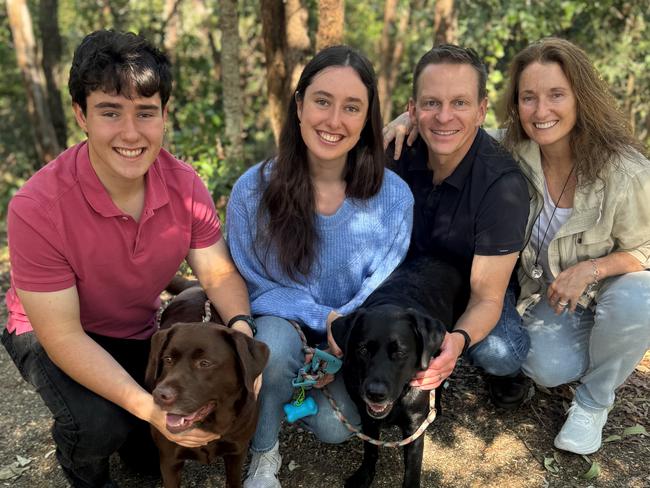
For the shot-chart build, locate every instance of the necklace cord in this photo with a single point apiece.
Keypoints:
(550, 220)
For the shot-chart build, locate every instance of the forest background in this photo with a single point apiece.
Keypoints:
(235, 63)
(234, 66)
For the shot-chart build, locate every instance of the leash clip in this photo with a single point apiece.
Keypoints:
(325, 362)
(304, 379)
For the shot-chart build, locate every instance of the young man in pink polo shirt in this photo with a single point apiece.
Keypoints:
(94, 237)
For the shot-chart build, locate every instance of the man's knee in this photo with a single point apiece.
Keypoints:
(500, 356)
(94, 429)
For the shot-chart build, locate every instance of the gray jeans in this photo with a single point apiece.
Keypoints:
(599, 347)
(284, 362)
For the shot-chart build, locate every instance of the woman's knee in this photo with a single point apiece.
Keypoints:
(334, 433)
(285, 346)
(326, 425)
(550, 371)
(624, 304)
(328, 428)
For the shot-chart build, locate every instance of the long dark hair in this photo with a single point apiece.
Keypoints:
(287, 210)
(601, 131)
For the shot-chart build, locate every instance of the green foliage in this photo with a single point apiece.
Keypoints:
(17, 152)
(613, 32)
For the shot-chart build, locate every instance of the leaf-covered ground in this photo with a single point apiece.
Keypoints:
(470, 445)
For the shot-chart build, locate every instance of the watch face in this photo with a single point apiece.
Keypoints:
(251, 324)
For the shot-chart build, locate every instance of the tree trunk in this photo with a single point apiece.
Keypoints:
(22, 31)
(386, 56)
(231, 82)
(331, 15)
(391, 51)
(169, 34)
(286, 43)
(116, 14)
(49, 26)
(444, 23)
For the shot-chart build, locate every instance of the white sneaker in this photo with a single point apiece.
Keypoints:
(583, 430)
(263, 469)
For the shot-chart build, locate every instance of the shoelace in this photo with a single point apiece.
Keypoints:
(580, 416)
(266, 465)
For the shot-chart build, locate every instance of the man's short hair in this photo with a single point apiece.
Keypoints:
(120, 63)
(452, 54)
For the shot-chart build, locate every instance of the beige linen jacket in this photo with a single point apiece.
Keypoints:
(612, 214)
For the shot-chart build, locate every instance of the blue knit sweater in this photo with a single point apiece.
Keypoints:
(360, 245)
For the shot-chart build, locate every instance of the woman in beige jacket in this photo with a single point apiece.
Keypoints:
(585, 295)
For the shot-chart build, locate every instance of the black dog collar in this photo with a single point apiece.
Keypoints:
(245, 318)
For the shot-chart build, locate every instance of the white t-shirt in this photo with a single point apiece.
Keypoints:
(545, 231)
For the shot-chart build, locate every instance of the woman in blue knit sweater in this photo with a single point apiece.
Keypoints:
(313, 232)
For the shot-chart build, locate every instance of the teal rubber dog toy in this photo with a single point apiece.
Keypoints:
(295, 412)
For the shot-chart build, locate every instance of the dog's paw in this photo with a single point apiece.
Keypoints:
(361, 479)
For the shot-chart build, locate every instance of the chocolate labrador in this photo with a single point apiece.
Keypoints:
(395, 333)
(202, 375)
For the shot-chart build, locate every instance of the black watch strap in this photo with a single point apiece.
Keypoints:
(245, 318)
(468, 339)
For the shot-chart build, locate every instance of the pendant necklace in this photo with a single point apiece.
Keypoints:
(537, 271)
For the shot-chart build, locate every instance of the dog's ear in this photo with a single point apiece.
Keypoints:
(429, 333)
(158, 343)
(342, 328)
(253, 356)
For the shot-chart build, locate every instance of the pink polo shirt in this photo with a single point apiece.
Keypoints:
(64, 230)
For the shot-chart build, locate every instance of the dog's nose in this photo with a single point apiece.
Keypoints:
(165, 395)
(376, 391)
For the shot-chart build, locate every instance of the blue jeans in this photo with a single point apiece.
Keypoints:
(87, 428)
(285, 360)
(504, 350)
(599, 347)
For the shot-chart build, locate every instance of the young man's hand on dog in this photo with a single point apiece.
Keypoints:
(190, 438)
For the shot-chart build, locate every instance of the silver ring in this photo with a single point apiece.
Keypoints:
(562, 304)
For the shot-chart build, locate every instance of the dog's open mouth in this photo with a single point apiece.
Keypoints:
(378, 410)
(178, 423)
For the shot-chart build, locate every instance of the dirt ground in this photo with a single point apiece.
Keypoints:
(470, 445)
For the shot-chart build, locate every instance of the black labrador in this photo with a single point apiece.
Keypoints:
(386, 342)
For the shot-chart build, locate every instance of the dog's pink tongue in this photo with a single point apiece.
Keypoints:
(176, 421)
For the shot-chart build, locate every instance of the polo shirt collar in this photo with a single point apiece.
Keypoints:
(156, 195)
(462, 171)
(98, 198)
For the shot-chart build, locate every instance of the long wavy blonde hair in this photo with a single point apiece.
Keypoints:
(601, 134)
